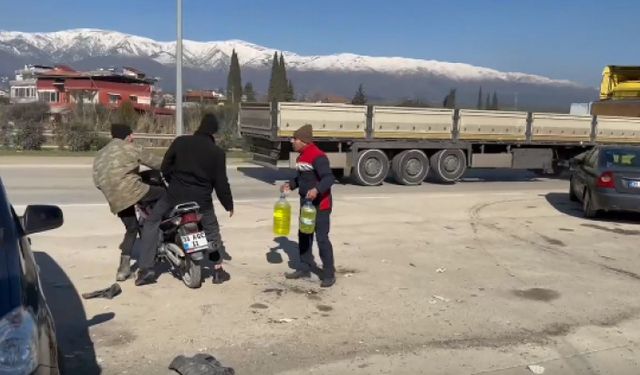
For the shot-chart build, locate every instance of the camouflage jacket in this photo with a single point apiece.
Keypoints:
(115, 173)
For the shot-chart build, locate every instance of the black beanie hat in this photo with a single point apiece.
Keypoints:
(208, 124)
(120, 131)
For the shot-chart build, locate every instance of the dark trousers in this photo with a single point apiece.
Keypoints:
(211, 229)
(151, 233)
(130, 221)
(305, 243)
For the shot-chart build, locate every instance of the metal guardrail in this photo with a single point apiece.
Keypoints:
(145, 135)
(151, 136)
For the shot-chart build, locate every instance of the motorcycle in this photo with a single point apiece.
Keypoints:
(182, 242)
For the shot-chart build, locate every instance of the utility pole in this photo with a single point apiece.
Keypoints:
(179, 128)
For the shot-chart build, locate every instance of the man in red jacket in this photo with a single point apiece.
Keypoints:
(313, 180)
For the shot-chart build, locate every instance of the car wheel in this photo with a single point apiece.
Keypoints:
(587, 206)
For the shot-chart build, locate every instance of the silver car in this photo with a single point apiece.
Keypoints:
(606, 178)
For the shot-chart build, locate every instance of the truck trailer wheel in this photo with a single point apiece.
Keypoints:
(448, 165)
(371, 167)
(410, 167)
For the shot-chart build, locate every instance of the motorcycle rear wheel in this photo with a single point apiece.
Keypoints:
(190, 272)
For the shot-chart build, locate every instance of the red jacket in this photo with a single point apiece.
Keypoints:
(314, 171)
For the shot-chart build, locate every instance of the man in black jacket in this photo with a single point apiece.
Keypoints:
(194, 166)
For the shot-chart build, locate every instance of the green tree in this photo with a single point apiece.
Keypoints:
(274, 81)
(280, 88)
(126, 114)
(487, 103)
(359, 98)
(494, 101)
(234, 92)
(450, 100)
(29, 120)
(234, 80)
(290, 95)
(285, 87)
(249, 92)
(479, 105)
(6, 130)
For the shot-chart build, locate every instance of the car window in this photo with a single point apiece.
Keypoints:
(620, 158)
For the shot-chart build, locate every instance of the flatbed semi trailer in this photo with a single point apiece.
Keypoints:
(371, 143)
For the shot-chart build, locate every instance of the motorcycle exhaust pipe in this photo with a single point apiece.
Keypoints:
(171, 254)
(175, 260)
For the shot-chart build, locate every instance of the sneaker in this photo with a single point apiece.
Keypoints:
(220, 276)
(124, 270)
(145, 277)
(328, 282)
(298, 274)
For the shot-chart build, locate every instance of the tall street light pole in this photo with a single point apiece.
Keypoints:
(179, 128)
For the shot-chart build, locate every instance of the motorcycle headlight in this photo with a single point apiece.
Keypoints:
(18, 343)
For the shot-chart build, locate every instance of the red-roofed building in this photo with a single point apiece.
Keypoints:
(62, 88)
(203, 96)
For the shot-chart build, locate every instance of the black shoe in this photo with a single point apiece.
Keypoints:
(298, 274)
(124, 270)
(317, 271)
(220, 276)
(328, 281)
(145, 277)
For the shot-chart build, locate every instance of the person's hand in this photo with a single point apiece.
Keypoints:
(231, 213)
(285, 188)
(312, 194)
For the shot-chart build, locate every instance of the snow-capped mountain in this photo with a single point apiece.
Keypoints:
(74, 45)
(386, 79)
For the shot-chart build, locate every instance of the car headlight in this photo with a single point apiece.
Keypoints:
(18, 343)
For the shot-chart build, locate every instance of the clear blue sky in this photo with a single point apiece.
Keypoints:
(565, 39)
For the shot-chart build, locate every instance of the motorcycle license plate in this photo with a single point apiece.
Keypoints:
(193, 242)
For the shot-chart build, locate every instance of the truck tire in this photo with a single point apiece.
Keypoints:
(371, 167)
(410, 167)
(448, 165)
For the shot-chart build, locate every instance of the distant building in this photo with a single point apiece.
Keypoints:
(63, 87)
(203, 96)
(329, 98)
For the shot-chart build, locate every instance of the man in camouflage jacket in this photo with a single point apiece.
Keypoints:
(115, 174)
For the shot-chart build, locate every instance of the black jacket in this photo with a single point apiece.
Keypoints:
(194, 166)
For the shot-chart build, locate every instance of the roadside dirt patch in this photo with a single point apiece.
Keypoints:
(626, 232)
(115, 338)
(344, 270)
(553, 241)
(324, 308)
(537, 294)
